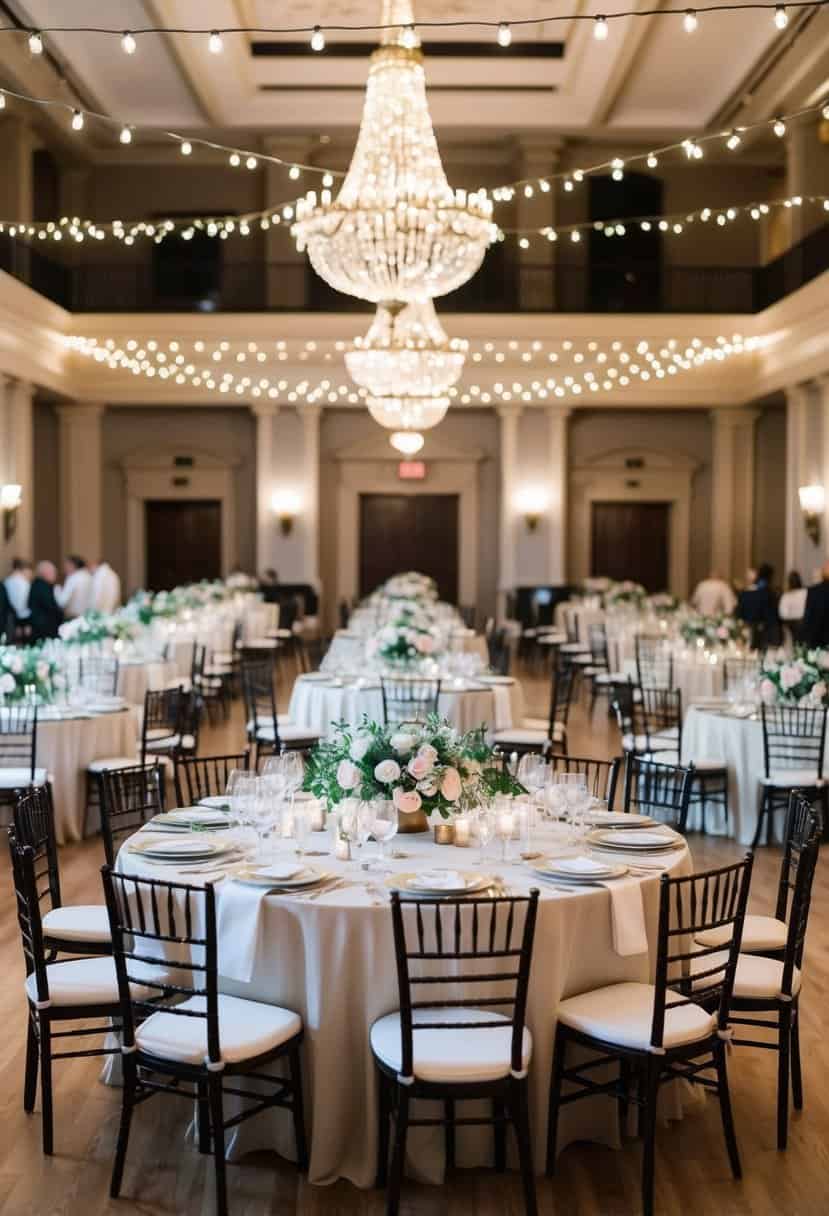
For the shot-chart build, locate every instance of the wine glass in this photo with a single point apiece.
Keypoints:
(384, 825)
(302, 826)
(532, 773)
(576, 799)
(293, 770)
(241, 792)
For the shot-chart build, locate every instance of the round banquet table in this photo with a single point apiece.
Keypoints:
(138, 676)
(348, 646)
(331, 959)
(318, 703)
(698, 679)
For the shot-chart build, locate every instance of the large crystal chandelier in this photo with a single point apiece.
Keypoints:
(406, 351)
(396, 230)
(408, 413)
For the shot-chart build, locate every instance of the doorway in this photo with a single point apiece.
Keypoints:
(400, 532)
(630, 540)
(625, 275)
(184, 541)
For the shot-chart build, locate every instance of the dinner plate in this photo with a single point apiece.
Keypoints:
(643, 841)
(253, 875)
(579, 869)
(467, 884)
(187, 816)
(187, 848)
(219, 802)
(619, 820)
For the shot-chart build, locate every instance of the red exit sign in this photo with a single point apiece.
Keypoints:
(411, 470)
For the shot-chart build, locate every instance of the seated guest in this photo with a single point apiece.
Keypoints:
(714, 597)
(106, 587)
(74, 596)
(815, 628)
(46, 616)
(792, 606)
(757, 606)
(17, 589)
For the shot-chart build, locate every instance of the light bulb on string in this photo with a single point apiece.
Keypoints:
(781, 17)
(408, 37)
(317, 39)
(618, 167)
(327, 180)
(504, 34)
(125, 136)
(295, 171)
(733, 141)
(214, 43)
(234, 160)
(36, 42)
(600, 28)
(690, 21)
(779, 128)
(2, 100)
(77, 120)
(251, 162)
(652, 161)
(824, 113)
(186, 147)
(128, 44)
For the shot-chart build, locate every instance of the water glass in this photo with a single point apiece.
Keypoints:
(384, 825)
(483, 828)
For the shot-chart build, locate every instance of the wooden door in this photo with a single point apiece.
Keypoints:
(184, 542)
(631, 541)
(400, 532)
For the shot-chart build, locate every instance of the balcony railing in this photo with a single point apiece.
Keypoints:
(207, 285)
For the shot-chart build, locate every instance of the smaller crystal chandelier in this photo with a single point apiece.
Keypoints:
(406, 351)
(408, 413)
(407, 442)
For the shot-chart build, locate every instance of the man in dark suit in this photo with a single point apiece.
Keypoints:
(815, 628)
(45, 614)
(757, 606)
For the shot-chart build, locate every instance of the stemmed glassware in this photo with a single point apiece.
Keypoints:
(241, 793)
(483, 826)
(383, 826)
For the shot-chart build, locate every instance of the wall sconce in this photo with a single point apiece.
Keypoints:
(812, 504)
(11, 497)
(286, 505)
(531, 503)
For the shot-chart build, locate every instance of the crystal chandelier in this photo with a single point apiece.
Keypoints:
(396, 230)
(406, 351)
(407, 442)
(408, 413)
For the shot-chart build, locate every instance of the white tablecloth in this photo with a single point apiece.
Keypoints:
(347, 649)
(135, 678)
(696, 679)
(317, 704)
(719, 735)
(332, 960)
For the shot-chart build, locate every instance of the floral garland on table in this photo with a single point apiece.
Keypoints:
(714, 630)
(626, 592)
(800, 680)
(425, 766)
(98, 627)
(25, 670)
(409, 586)
(663, 603)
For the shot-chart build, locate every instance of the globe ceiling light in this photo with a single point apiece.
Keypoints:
(406, 351)
(396, 230)
(407, 442)
(408, 413)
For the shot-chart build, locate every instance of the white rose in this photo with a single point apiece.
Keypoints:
(402, 742)
(7, 683)
(16, 665)
(387, 771)
(360, 746)
(348, 775)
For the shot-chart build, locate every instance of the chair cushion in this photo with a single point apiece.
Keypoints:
(451, 1055)
(91, 981)
(19, 778)
(622, 1014)
(759, 933)
(649, 744)
(700, 763)
(757, 978)
(246, 1029)
(791, 778)
(169, 742)
(109, 762)
(527, 738)
(287, 731)
(260, 644)
(573, 648)
(78, 923)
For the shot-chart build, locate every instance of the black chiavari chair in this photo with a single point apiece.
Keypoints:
(129, 797)
(204, 1045)
(269, 732)
(654, 662)
(98, 674)
(80, 929)
(18, 752)
(536, 735)
(794, 741)
(662, 791)
(170, 725)
(738, 669)
(602, 775)
(448, 1048)
(649, 719)
(676, 1027)
(198, 777)
(409, 698)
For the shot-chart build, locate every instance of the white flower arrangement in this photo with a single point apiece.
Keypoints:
(802, 679)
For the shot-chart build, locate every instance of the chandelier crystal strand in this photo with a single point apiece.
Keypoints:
(408, 413)
(406, 351)
(396, 230)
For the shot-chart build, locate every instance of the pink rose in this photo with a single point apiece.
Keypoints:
(424, 643)
(420, 766)
(387, 771)
(768, 692)
(348, 775)
(450, 786)
(407, 801)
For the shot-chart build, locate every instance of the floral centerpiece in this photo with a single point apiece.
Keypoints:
(410, 586)
(28, 673)
(98, 627)
(625, 593)
(663, 603)
(802, 679)
(713, 630)
(422, 767)
(405, 642)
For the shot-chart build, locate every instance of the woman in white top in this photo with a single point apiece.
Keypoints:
(714, 597)
(792, 606)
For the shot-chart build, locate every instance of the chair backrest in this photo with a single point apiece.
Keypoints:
(129, 797)
(163, 711)
(688, 972)
(259, 693)
(198, 777)
(644, 713)
(409, 698)
(28, 915)
(99, 674)
(485, 945)
(794, 737)
(34, 826)
(602, 775)
(561, 695)
(662, 791)
(147, 917)
(654, 662)
(18, 738)
(736, 670)
(571, 622)
(803, 824)
(498, 651)
(597, 641)
(197, 665)
(799, 914)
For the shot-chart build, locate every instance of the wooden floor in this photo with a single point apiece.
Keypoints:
(164, 1176)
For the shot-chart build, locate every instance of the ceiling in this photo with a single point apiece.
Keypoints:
(647, 80)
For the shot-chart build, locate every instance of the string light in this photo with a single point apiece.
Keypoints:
(36, 42)
(618, 167)
(294, 173)
(125, 136)
(690, 22)
(251, 162)
(317, 39)
(186, 147)
(733, 141)
(214, 43)
(234, 160)
(779, 128)
(824, 113)
(2, 100)
(408, 38)
(504, 34)
(652, 161)
(128, 44)
(781, 17)
(77, 120)
(600, 28)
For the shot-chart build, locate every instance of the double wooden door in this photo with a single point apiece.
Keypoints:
(400, 532)
(631, 540)
(184, 542)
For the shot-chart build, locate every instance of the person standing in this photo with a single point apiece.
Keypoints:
(17, 589)
(792, 606)
(46, 616)
(757, 606)
(106, 587)
(714, 597)
(73, 597)
(815, 628)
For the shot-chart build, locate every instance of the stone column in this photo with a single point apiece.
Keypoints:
(81, 479)
(310, 415)
(17, 461)
(732, 515)
(801, 469)
(509, 415)
(807, 173)
(285, 266)
(265, 413)
(559, 489)
(538, 158)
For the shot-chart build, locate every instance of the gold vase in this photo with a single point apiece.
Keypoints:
(416, 821)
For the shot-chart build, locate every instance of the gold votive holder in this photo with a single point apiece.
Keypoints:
(444, 833)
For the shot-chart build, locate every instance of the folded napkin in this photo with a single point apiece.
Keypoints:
(627, 916)
(280, 871)
(433, 880)
(239, 925)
